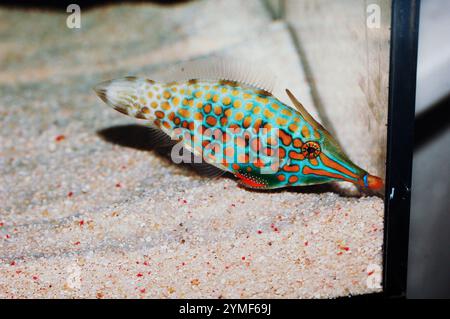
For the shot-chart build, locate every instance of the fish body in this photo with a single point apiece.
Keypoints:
(239, 128)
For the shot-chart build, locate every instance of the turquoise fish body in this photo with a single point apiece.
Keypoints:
(240, 129)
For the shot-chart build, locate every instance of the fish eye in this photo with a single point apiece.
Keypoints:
(311, 149)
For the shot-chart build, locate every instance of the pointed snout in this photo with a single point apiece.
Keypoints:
(344, 169)
(374, 182)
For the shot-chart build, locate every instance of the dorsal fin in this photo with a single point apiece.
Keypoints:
(216, 69)
(299, 106)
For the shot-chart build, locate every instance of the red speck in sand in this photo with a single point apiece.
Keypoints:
(35, 277)
(118, 185)
(18, 271)
(259, 231)
(69, 194)
(275, 229)
(306, 243)
(1, 224)
(76, 243)
(139, 275)
(81, 222)
(146, 263)
(370, 273)
(142, 290)
(60, 138)
(344, 248)
(12, 263)
(7, 236)
(243, 258)
(339, 253)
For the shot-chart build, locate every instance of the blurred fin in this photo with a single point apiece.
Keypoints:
(227, 69)
(160, 139)
(207, 170)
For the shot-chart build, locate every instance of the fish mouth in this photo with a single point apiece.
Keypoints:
(373, 182)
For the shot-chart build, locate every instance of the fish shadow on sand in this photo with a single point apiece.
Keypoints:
(146, 139)
(134, 136)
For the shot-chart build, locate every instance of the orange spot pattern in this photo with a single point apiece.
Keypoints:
(200, 107)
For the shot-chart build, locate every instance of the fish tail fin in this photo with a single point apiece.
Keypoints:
(127, 95)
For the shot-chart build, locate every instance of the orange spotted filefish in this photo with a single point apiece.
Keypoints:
(239, 128)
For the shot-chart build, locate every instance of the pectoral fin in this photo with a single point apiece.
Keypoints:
(207, 170)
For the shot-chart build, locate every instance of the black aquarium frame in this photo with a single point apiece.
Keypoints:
(400, 143)
(401, 108)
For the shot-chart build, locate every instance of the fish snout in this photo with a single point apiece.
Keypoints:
(373, 182)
